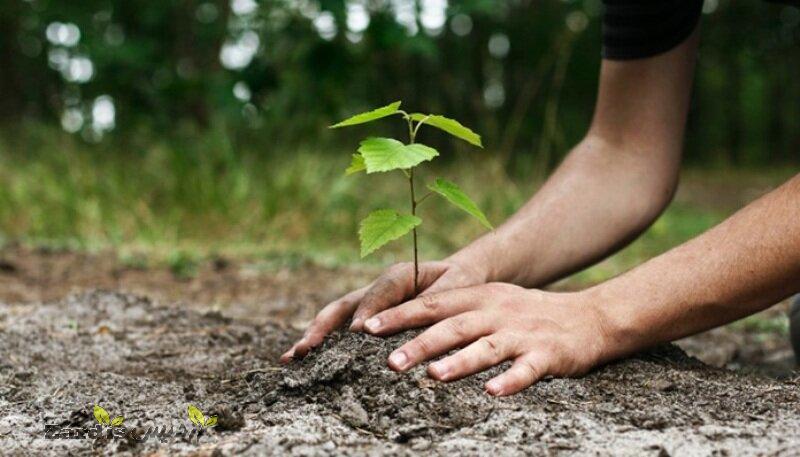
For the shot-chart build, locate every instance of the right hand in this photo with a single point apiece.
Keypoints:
(392, 288)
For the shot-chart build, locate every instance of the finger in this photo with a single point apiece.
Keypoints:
(424, 310)
(388, 290)
(525, 371)
(484, 353)
(331, 317)
(450, 333)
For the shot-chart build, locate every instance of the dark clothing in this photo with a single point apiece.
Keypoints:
(638, 29)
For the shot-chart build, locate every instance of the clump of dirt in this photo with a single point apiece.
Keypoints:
(148, 362)
(349, 376)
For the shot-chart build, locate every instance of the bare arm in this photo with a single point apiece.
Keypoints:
(746, 264)
(610, 187)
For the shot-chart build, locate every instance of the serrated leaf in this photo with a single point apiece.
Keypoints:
(117, 421)
(369, 116)
(356, 165)
(211, 421)
(383, 226)
(196, 416)
(386, 154)
(101, 415)
(457, 197)
(451, 126)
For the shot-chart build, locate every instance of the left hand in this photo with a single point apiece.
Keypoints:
(544, 333)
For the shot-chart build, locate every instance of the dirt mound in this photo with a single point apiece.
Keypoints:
(148, 363)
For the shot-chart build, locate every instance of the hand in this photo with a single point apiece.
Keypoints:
(390, 289)
(543, 333)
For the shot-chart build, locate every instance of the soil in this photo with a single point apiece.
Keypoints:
(291, 295)
(147, 362)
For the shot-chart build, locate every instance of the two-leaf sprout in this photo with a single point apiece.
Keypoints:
(199, 419)
(103, 418)
(377, 155)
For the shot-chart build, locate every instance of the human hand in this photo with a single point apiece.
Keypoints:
(395, 286)
(543, 333)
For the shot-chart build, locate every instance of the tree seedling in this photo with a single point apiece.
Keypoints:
(379, 155)
(199, 419)
(103, 418)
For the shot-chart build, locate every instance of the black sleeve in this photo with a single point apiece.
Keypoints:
(638, 29)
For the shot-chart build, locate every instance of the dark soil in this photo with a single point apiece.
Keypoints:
(148, 362)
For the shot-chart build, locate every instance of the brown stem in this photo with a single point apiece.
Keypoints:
(412, 133)
(414, 231)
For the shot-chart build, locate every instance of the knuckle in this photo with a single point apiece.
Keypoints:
(327, 313)
(457, 326)
(420, 345)
(430, 303)
(531, 370)
(493, 345)
(398, 269)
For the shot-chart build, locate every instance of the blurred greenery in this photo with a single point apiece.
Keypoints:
(197, 127)
(523, 73)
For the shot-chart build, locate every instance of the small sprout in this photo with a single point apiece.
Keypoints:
(199, 419)
(103, 418)
(378, 155)
(101, 415)
(196, 416)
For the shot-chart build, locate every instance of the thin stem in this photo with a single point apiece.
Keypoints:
(412, 133)
(414, 232)
(419, 202)
(419, 124)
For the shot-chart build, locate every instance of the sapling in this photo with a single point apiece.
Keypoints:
(378, 155)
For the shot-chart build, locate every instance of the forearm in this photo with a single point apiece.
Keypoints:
(742, 266)
(610, 187)
(598, 200)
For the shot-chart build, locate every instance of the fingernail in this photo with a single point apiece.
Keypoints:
(440, 370)
(494, 387)
(373, 324)
(356, 325)
(288, 355)
(399, 359)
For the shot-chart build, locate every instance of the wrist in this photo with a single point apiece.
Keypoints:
(476, 259)
(618, 332)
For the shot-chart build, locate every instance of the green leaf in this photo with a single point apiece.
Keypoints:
(356, 165)
(386, 154)
(457, 197)
(212, 421)
(383, 226)
(369, 116)
(196, 416)
(451, 126)
(117, 421)
(101, 415)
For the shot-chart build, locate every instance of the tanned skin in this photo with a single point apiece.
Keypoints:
(609, 189)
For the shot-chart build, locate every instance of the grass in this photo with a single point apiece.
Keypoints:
(178, 202)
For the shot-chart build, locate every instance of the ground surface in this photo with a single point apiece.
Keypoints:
(291, 295)
(148, 361)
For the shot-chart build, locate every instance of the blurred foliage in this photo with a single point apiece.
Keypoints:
(521, 72)
(199, 127)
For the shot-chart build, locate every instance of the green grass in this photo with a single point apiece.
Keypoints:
(181, 201)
